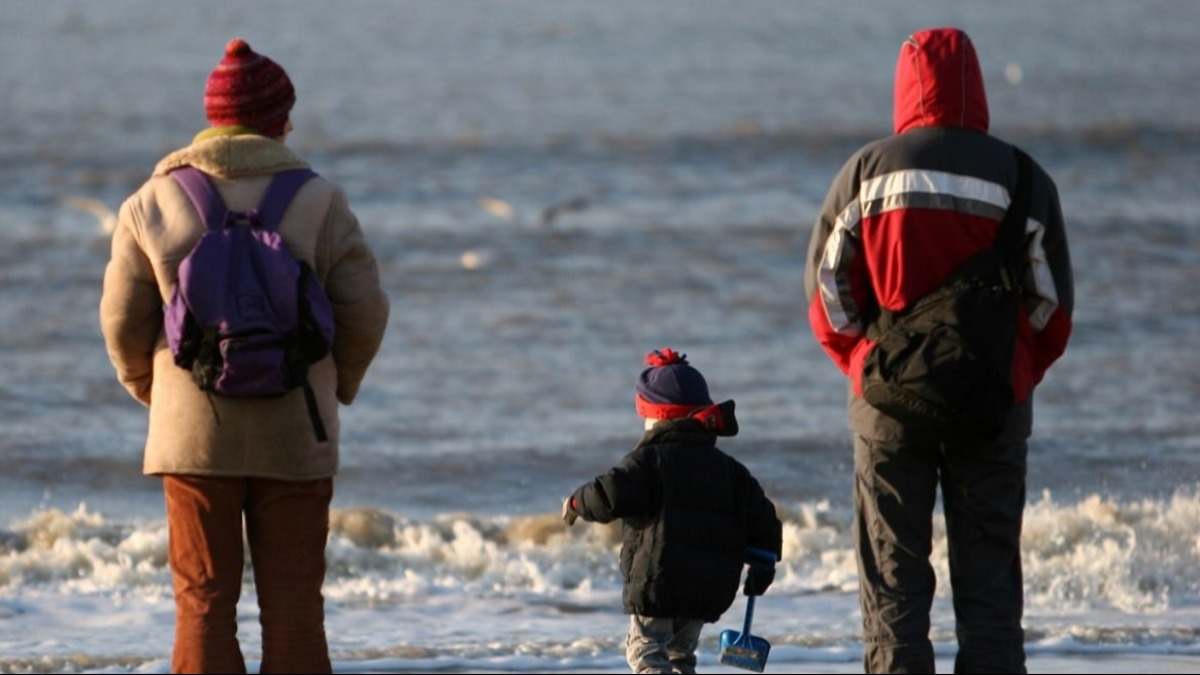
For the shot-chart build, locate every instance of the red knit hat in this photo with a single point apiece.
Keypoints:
(249, 90)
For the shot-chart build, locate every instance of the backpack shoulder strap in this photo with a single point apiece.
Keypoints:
(203, 195)
(282, 189)
(1010, 236)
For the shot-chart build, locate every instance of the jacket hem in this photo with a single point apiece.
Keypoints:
(223, 473)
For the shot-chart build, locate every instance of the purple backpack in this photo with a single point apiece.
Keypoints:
(247, 318)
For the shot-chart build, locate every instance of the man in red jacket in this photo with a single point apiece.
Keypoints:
(902, 215)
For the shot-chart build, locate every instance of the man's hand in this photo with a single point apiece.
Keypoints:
(759, 578)
(568, 514)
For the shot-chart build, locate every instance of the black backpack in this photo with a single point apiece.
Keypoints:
(943, 365)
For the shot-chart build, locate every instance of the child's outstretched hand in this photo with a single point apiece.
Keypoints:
(568, 514)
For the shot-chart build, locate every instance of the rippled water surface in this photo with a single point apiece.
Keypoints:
(693, 145)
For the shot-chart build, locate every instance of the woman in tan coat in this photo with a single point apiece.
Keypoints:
(225, 458)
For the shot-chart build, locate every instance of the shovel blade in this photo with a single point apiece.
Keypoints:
(747, 652)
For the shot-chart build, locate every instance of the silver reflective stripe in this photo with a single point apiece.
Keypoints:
(1039, 279)
(833, 273)
(919, 188)
(934, 182)
(849, 218)
(930, 200)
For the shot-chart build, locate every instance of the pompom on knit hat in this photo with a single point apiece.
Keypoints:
(250, 90)
(670, 388)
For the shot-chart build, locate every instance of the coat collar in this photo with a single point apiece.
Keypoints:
(232, 152)
(687, 431)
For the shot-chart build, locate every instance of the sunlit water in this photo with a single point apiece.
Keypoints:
(698, 144)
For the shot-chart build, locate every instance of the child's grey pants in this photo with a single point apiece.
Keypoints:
(662, 645)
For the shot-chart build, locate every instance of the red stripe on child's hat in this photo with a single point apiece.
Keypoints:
(663, 411)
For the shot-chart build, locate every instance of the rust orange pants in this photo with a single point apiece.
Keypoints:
(286, 524)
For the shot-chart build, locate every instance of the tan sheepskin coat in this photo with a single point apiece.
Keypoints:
(157, 228)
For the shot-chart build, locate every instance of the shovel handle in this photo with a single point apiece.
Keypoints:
(749, 618)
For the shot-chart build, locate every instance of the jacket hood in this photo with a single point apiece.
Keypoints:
(229, 153)
(939, 83)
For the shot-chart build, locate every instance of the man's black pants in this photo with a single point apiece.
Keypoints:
(983, 494)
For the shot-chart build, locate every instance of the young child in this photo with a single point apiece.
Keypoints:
(689, 514)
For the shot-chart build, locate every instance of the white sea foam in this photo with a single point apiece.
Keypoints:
(81, 551)
(80, 591)
(1139, 557)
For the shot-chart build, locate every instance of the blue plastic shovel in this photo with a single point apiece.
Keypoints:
(743, 650)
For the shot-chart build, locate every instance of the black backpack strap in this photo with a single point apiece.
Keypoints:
(301, 358)
(1010, 237)
(314, 411)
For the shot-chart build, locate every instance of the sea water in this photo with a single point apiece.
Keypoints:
(693, 146)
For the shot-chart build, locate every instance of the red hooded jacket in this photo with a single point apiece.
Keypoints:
(906, 210)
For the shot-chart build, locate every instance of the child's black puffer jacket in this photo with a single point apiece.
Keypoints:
(689, 512)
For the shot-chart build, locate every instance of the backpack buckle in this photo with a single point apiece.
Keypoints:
(248, 218)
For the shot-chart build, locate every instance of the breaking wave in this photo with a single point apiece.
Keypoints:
(1136, 557)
